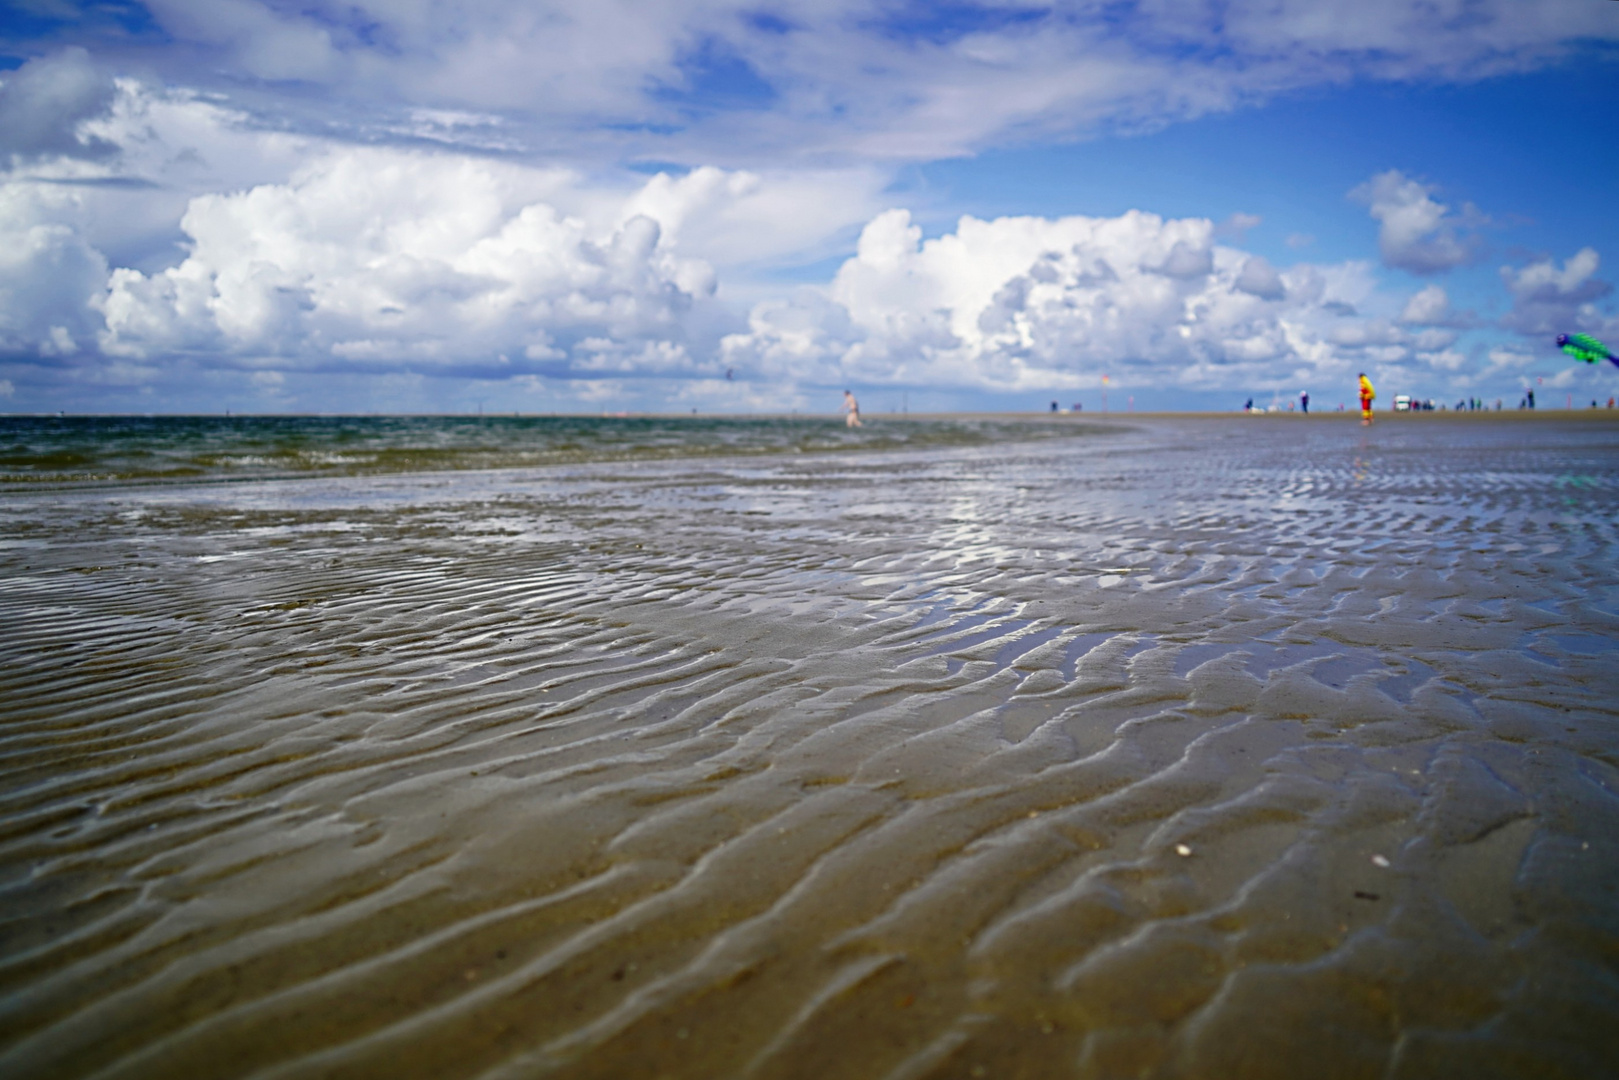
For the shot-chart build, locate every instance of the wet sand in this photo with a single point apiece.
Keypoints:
(1212, 747)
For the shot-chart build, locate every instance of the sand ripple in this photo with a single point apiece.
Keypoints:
(1236, 748)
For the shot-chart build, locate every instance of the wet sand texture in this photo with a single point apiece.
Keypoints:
(864, 765)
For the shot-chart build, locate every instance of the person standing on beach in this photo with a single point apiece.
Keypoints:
(852, 407)
(1366, 396)
(1304, 401)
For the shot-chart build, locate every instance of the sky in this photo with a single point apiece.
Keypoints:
(402, 206)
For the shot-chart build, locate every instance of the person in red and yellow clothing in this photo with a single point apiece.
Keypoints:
(1366, 396)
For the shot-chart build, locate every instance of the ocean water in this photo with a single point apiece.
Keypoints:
(125, 450)
(1202, 747)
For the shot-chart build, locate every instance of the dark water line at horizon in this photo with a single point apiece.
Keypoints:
(48, 451)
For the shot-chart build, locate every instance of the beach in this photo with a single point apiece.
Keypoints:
(1202, 746)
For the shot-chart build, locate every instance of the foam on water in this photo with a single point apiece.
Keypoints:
(872, 765)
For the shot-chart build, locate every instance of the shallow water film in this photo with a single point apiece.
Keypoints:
(1225, 747)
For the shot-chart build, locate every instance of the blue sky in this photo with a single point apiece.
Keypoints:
(385, 206)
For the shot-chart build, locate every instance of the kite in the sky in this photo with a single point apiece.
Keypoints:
(1585, 347)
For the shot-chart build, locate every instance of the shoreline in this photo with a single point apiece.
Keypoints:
(1601, 411)
(512, 449)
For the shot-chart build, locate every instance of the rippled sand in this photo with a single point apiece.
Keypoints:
(1209, 748)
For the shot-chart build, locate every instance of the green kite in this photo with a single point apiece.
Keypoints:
(1585, 347)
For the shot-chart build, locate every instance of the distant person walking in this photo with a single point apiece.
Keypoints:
(852, 407)
(1366, 396)
(1304, 401)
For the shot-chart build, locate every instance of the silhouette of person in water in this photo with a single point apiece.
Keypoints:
(1366, 396)
(852, 407)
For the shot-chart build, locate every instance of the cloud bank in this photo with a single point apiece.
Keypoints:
(587, 192)
(388, 258)
(380, 260)
(1041, 304)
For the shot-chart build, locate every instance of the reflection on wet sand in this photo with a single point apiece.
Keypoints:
(1208, 749)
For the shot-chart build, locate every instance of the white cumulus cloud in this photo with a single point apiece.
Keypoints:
(1416, 233)
(1547, 299)
(1430, 307)
(1023, 303)
(388, 258)
(49, 274)
(45, 104)
(1259, 278)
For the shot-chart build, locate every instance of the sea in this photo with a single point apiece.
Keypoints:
(103, 450)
